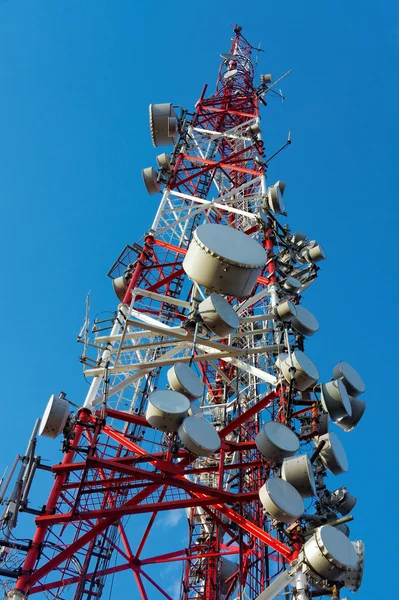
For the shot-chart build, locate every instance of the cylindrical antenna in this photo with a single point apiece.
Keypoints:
(5, 485)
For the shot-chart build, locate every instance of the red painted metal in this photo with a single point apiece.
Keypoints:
(114, 468)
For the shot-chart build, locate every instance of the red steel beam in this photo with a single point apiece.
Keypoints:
(82, 541)
(71, 580)
(248, 414)
(155, 585)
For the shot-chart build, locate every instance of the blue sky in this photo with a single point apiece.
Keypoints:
(76, 79)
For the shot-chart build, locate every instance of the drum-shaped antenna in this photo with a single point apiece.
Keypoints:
(300, 367)
(333, 455)
(163, 124)
(292, 285)
(224, 260)
(285, 311)
(254, 129)
(183, 379)
(199, 437)
(275, 197)
(276, 441)
(297, 470)
(335, 400)
(298, 238)
(163, 161)
(120, 285)
(343, 527)
(343, 501)
(304, 321)
(358, 407)
(195, 411)
(353, 576)
(329, 553)
(281, 500)
(166, 410)
(55, 417)
(230, 74)
(150, 178)
(350, 378)
(311, 253)
(218, 315)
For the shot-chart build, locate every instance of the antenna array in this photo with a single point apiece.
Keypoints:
(202, 397)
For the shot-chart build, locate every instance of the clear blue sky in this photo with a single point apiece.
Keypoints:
(76, 77)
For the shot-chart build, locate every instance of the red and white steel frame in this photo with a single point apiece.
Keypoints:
(116, 465)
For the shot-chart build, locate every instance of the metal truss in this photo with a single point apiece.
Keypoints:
(115, 465)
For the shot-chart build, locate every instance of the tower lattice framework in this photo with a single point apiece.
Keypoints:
(116, 469)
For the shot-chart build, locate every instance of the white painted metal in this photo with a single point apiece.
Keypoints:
(298, 471)
(335, 400)
(329, 553)
(333, 455)
(183, 379)
(162, 124)
(224, 260)
(299, 367)
(199, 436)
(358, 406)
(304, 321)
(55, 417)
(218, 315)
(281, 500)
(350, 378)
(283, 580)
(166, 410)
(276, 441)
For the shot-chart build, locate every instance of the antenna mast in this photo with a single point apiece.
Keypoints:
(202, 397)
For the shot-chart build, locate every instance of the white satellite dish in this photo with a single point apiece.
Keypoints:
(344, 502)
(304, 321)
(166, 410)
(276, 441)
(150, 178)
(218, 315)
(306, 373)
(329, 553)
(199, 436)
(230, 74)
(358, 407)
(164, 161)
(163, 124)
(275, 197)
(120, 285)
(335, 400)
(350, 378)
(292, 285)
(298, 471)
(55, 417)
(281, 500)
(183, 379)
(353, 576)
(195, 411)
(285, 311)
(333, 455)
(224, 260)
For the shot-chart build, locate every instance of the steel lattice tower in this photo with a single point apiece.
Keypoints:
(242, 544)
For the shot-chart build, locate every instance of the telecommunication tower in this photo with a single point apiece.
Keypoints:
(202, 397)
